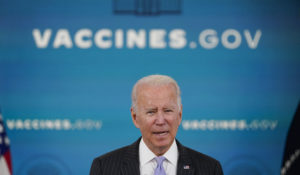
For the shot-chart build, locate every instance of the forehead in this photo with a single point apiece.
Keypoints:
(155, 94)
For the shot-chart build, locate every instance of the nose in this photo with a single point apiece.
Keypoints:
(160, 118)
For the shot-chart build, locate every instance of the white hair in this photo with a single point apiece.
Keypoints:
(154, 80)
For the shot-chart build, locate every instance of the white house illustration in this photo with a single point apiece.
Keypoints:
(147, 7)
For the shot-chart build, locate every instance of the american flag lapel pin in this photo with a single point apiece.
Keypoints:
(186, 167)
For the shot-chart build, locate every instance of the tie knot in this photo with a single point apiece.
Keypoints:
(160, 159)
(159, 169)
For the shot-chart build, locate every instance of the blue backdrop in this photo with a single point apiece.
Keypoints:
(67, 69)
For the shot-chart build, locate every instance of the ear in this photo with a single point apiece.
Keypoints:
(180, 115)
(134, 118)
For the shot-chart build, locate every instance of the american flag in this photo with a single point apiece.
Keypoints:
(5, 159)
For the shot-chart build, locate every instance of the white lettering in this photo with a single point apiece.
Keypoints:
(41, 41)
(136, 38)
(177, 39)
(99, 38)
(208, 39)
(27, 124)
(79, 38)
(252, 43)
(19, 124)
(10, 124)
(119, 38)
(273, 124)
(156, 39)
(237, 39)
(62, 38)
(35, 124)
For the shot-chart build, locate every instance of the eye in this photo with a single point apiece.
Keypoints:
(151, 112)
(168, 110)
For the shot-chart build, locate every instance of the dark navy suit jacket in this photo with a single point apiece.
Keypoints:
(125, 161)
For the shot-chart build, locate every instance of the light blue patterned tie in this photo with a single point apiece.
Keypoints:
(159, 169)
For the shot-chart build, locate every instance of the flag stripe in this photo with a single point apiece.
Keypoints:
(5, 158)
(8, 161)
(3, 167)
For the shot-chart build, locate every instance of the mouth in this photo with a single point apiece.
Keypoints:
(161, 133)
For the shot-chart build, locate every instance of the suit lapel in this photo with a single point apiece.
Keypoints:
(184, 165)
(131, 160)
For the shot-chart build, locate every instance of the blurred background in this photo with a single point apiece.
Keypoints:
(67, 69)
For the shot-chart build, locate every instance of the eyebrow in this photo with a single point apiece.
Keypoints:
(155, 108)
(148, 109)
(170, 107)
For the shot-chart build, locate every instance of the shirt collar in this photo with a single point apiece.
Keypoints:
(172, 154)
(147, 155)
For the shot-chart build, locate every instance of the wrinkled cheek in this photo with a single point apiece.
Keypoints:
(174, 132)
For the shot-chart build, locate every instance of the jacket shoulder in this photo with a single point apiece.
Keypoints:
(109, 162)
(197, 156)
(203, 163)
(115, 154)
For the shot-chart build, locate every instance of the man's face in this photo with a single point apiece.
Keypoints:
(158, 116)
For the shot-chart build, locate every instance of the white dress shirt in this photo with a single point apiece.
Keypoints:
(148, 163)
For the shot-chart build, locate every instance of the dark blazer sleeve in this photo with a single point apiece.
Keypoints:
(96, 168)
(218, 169)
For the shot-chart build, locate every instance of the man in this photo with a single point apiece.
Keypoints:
(157, 111)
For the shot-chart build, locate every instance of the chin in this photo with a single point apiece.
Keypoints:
(163, 143)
